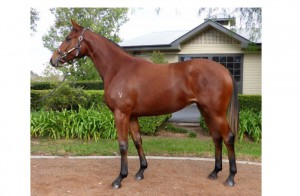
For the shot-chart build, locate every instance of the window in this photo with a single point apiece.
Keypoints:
(233, 62)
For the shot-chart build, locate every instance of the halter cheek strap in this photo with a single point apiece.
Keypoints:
(80, 38)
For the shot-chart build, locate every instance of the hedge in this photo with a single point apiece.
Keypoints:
(86, 85)
(65, 97)
(250, 102)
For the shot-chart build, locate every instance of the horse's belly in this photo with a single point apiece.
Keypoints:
(160, 105)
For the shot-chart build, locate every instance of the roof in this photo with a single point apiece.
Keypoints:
(154, 38)
(172, 39)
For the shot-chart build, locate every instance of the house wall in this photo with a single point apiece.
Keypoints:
(212, 41)
(252, 74)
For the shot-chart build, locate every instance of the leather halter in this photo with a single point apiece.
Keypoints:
(78, 46)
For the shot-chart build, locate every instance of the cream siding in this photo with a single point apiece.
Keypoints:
(211, 41)
(210, 49)
(252, 74)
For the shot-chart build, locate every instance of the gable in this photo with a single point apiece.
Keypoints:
(211, 36)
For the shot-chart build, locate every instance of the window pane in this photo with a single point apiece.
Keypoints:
(229, 59)
(229, 65)
(237, 65)
(222, 59)
(237, 78)
(237, 72)
(237, 59)
(216, 58)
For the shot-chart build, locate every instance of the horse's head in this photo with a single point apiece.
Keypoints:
(72, 47)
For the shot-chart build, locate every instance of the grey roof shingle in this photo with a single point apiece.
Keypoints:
(173, 38)
(154, 38)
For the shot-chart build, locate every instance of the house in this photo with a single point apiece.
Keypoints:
(211, 40)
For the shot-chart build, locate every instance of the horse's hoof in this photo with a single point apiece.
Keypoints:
(229, 183)
(116, 185)
(139, 177)
(213, 176)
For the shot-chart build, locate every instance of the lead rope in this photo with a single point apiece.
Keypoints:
(49, 94)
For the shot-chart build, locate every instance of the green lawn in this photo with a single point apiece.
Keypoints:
(153, 145)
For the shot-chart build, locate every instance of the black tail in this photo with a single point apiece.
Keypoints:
(233, 109)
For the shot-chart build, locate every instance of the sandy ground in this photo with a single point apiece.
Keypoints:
(64, 176)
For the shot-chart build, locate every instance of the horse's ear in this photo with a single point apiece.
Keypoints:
(75, 25)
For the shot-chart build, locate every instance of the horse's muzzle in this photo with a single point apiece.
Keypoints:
(56, 62)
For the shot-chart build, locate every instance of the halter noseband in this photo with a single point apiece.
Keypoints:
(78, 46)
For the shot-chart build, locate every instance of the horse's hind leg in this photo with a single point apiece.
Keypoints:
(137, 139)
(218, 158)
(220, 131)
(229, 142)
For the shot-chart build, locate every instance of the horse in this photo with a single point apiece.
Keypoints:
(135, 87)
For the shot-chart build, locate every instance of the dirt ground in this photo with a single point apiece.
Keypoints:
(64, 176)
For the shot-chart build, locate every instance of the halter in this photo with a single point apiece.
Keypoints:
(78, 46)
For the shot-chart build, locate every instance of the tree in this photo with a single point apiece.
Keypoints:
(249, 19)
(34, 17)
(158, 57)
(105, 21)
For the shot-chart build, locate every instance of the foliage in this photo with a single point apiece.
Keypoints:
(64, 97)
(149, 124)
(40, 99)
(34, 17)
(86, 124)
(158, 57)
(250, 125)
(250, 102)
(105, 21)
(85, 85)
(249, 18)
(170, 127)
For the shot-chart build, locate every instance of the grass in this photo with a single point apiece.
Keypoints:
(155, 146)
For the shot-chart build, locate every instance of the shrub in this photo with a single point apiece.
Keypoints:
(86, 85)
(250, 102)
(149, 124)
(65, 98)
(250, 125)
(41, 85)
(96, 123)
(86, 124)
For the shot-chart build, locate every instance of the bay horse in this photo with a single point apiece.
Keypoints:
(135, 87)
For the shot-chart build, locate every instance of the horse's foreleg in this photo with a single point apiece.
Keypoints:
(122, 122)
(137, 139)
(229, 142)
(218, 158)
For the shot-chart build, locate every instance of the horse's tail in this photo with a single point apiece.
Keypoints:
(233, 109)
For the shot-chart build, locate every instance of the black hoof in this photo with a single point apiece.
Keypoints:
(229, 182)
(116, 185)
(213, 176)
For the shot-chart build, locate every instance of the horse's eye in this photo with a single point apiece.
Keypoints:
(68, 39)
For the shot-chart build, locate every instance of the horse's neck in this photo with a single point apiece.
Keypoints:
(106, 57)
